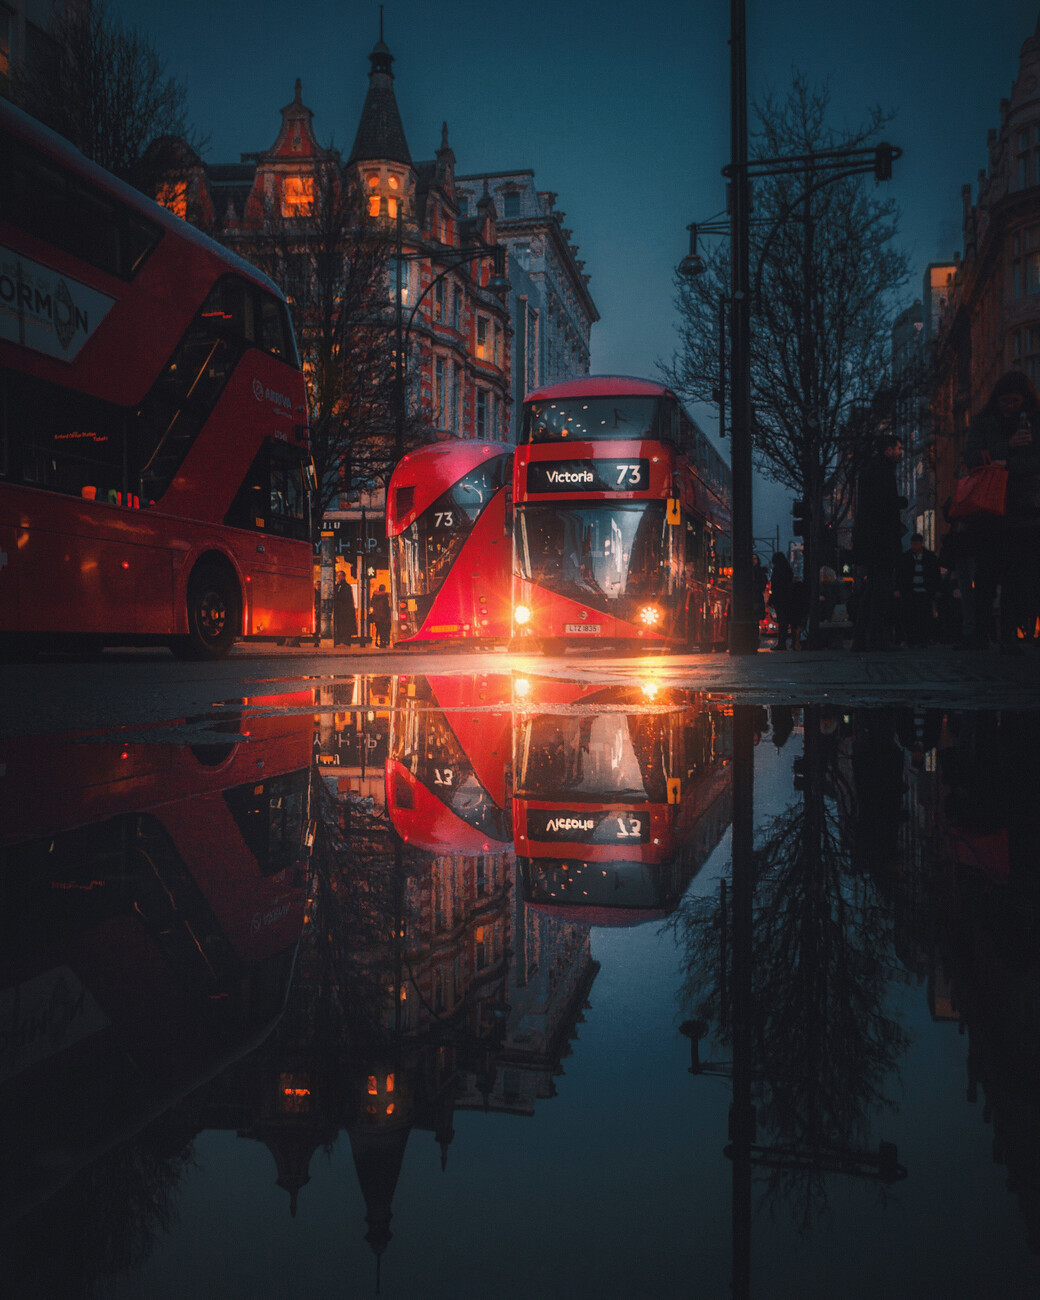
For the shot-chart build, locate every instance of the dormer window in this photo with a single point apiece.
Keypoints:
(297, 196)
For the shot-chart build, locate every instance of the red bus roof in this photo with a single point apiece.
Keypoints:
(429, 472)
(601, 386)
(41, 138)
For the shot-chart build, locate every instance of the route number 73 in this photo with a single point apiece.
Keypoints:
(627, 474)
(444, 519)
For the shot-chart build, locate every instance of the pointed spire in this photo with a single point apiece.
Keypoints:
(444, 136)
(380, 134)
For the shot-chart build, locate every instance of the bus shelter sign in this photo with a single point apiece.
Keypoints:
(46, 311)
(576, 476)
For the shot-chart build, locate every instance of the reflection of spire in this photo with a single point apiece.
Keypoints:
(378, 1156)
(292, 1157)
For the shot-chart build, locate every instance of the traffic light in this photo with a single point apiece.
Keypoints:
(801, 519)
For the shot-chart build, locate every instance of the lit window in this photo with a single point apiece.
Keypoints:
(373, 206)
(482, 332)
(391, 206)
(393, 182)
(174, 197)
(297, 196)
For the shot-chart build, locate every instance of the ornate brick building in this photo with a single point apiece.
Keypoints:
(991, 319)
(457, 331)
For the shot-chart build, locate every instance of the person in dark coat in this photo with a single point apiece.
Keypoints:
(380, 615)
(344, 620)
(1007, 431)
(759, 582)
(781, 578)
(918, 578)
(877, 544)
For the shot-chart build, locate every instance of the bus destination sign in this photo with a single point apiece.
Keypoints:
(574, 476)
(581, 826)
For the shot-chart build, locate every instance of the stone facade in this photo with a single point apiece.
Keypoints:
(457, 331)
(551, 309)
(991, 319)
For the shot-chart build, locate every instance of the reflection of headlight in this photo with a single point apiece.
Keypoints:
(650, 689)
(521, 615)
(521, 686)
(649, 614)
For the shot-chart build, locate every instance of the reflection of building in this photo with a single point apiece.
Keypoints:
(992, 320)
(549, 302)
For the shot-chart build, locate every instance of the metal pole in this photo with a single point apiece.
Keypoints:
(722, 366)
(742, 1117)
(743, 633)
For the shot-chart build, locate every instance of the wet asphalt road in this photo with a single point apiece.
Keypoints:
(148, 688)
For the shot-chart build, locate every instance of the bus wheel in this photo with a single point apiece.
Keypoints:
(213, 614)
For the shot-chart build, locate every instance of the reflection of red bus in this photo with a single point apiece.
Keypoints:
(153, 428)
(622, 521)
(450, 550)
(151, 916)
(446, 777)
(610, 803)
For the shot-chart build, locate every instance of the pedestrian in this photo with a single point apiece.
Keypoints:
(959, 552)
(918, 579)
(1007, 432)
(380, 615)
(780, 579)
(344, 620)
(877, 544)
(759, 582)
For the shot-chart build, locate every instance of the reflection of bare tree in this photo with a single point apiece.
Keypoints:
(102, 1224)
(823, 1043)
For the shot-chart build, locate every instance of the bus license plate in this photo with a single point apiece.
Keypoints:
(589, 629)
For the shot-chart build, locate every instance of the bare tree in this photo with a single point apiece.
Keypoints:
(104, 87)
(335, 267)
(826, 278)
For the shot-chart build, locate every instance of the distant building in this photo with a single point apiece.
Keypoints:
(457, 329)
(991, 319)
(27, 49)
(550, 306)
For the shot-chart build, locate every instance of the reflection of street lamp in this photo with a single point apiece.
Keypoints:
(498, 283)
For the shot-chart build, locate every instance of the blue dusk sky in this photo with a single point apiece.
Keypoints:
(620, 109)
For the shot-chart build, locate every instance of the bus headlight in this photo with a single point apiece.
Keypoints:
(521, 615)
(650, 615)
(522, 687)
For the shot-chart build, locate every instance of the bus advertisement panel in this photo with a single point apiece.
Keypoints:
(154, 467)
(450, 547)
(622, 520)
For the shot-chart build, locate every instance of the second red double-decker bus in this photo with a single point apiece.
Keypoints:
(622, 520)
(154, 465)
(621, 793)
(450, 548)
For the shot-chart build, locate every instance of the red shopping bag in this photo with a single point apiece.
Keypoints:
(982, 491)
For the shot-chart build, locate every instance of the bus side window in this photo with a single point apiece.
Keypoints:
(52, 437)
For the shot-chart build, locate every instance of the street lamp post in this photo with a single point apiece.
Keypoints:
(830, 165)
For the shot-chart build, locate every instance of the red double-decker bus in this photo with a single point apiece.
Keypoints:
(450, 751)
(153, 903)
(154, 471)
(616, 805)
(450, 545)
(622, 520)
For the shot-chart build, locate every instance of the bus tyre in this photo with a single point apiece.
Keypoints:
(213, 614)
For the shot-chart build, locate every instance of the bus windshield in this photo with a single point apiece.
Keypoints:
(595, 418)
(430, 544)
(609, 756)
(608, 555)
